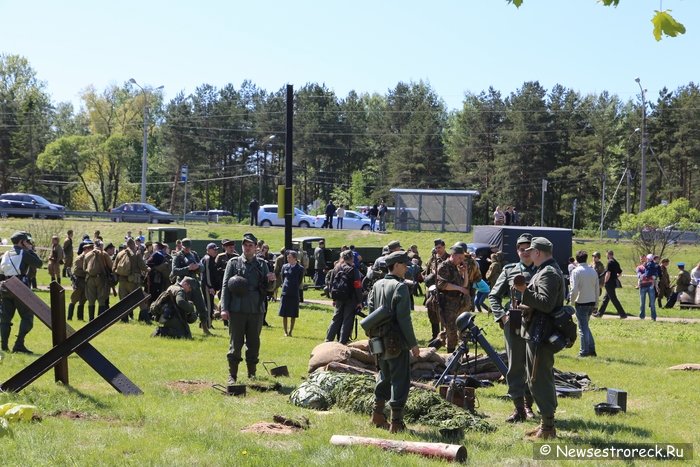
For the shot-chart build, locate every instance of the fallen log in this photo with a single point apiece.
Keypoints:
(343, 368)
(451, 452)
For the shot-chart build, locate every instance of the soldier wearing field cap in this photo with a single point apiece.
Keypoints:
(430, 274)
(15, 263)
(130, 268)
(393, 381)
(508, 318)
(542, 295)
(55, 260)
(78, 278)
(187, 264)
(243, 305)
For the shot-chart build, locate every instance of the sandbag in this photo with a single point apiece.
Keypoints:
(328, 352)
(362, 345)
(428, 354)
(362, 356)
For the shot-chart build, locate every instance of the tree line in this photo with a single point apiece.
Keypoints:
(351, 148)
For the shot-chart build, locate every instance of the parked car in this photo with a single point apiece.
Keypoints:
(28, 205)
(267, 216)
(211, 215)
(140, 212)
(352, 220)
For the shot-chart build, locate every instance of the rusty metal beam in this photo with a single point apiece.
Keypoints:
(77, 341)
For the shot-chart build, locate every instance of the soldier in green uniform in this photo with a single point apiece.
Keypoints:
(68, 254)
(682, 285)
(78, 278)
(508, 318)
(393, 381)
(453, 294)
(98, 265)
(130, 268)
(174, 311)
(431, 300)
(543, 294)
(16, 263)
(244, 307)
(186, 263)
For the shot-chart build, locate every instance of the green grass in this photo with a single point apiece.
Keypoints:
(167, 427)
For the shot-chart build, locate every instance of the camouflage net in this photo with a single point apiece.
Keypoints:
(355, 393)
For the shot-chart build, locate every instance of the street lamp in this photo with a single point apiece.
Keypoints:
(629, 174)
(265, 140)
(643, 189)
(144, 156)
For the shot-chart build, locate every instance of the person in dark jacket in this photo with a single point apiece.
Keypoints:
(346, 308)
(292, 273)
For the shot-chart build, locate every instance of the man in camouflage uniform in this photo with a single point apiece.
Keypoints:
(453, 294)
(542, 295)
(472, 273)
(186, 264)
(68, 254)
(508, 318)
(245, 308)
(130, 268)
(55, 260)
(78, 278)
(393, 381)
(431, 300)
(98, 266)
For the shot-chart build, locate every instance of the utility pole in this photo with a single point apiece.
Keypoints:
(643, 188)
(288, 207)
(544, 188)
(144, 155)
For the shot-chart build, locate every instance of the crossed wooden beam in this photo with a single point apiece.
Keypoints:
(66, 340)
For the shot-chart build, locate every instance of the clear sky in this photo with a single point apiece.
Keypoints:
(457, 46)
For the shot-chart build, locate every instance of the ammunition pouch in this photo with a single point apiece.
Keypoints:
(429, 280)
(515, 320)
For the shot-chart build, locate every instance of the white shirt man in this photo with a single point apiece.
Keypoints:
(585, 289)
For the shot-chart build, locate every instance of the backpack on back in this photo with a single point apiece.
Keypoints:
(156, 308)
(341, 288)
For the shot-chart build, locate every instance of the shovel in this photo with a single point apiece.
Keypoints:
(231, 389)
(276, 371)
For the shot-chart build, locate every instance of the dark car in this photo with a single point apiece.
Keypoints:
(28, 205)
(140, 212)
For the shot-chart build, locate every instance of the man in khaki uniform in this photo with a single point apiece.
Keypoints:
(130, 268)
(98, 266)
(453, 294)
(55, 260)
(431, 300)
(78, 278)
(68, 254)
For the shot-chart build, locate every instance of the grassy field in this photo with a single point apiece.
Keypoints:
(191, 424)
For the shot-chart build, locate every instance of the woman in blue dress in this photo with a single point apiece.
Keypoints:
(292, 274)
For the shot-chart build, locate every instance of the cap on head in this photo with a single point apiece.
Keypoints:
(188, 280)
(212, 246)
(227, 242)
(130, 242)
(524, 238)
(439, 242)
(457, 249)
(186, 242)
(249, 237)
(109, 245)
(160, 245)
(394, 245)
(19, 236)
(596, 254)
(54, 237)
(397, 257)
(650, 257)
(680, 265)
(541, 244)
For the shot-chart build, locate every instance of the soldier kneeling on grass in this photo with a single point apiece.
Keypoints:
(174, 310)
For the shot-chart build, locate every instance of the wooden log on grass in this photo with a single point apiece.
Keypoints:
(450, 452)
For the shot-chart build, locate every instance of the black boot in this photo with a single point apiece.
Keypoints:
(232, 369)
(81, 311)
(101, 310)
(529, 400)
(518, 414)
(435, 327)
(5, 337)
(91, 312)
(71, 307)
(252, 368)
(397, 424)
(19, 346)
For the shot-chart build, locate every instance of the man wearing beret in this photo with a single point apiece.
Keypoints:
(508, 318)
(453, 294)
(186, 264)
(16, 262)
(245, 309)
(431, 301)
(542, 295)
(393, 381)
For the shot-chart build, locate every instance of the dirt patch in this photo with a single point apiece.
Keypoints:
(73, 415)
(186, 386)
(267, 428)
